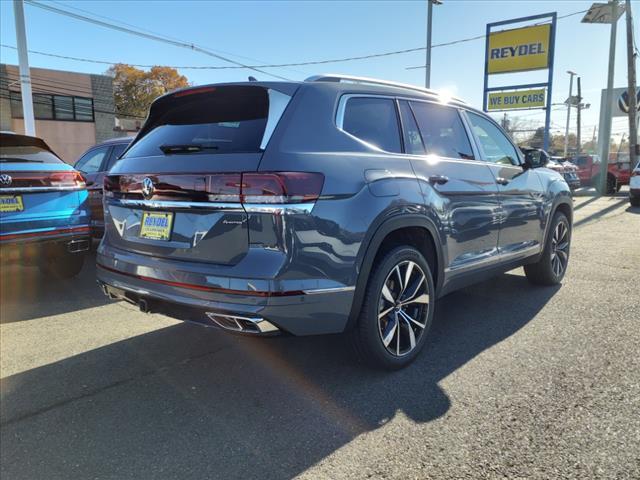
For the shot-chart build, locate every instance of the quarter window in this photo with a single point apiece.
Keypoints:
(496, 146)
(442, 131)
(373, 120)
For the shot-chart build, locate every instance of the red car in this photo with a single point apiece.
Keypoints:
(589, 171)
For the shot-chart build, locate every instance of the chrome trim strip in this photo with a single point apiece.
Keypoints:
(496, 259)
(276, 209)
(279, 209)
(317, 291)
(129, 202)
(39, 189)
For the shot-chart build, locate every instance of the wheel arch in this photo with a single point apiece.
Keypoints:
(421, 233)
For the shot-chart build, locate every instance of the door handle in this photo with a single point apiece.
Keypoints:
(438, 179)
(502, 181)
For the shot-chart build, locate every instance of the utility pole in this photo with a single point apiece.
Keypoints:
(634, 148)
(579, 124)
(427, 73)
(569, 101)
(25, 76)
(605, 127)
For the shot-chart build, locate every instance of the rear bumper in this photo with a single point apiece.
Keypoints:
(28, 247)
(199, 296)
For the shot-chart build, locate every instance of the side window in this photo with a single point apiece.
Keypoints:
(92, 160)
(412, 139)
(495, 145)
(115, 154)
(373, 120)
(442, 130)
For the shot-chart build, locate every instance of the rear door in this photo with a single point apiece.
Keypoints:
(521, 191)
(446, 163)
(176, 191)
(92, 165)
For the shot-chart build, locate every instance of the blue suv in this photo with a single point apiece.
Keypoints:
(337, 204)
(44, 216)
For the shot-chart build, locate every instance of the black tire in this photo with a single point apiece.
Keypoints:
(65, 265)
(412, 319)
(612, 184)
(556, 249)
(634, 200)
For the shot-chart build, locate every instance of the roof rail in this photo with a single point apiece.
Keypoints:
(336, 77)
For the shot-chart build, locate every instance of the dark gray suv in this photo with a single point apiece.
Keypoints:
(338, 204)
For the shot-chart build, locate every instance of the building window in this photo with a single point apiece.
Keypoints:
(55, 107)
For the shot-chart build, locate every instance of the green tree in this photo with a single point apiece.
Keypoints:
(135, 89)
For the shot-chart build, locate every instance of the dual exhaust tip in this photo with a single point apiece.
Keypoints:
(236, 323)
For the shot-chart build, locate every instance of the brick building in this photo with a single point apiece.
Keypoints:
(73, 111)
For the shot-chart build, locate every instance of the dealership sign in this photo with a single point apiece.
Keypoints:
(519, 49)
(515, 51)
(518, 99)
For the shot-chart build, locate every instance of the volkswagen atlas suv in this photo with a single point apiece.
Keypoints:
(44, 216)
(337, 204)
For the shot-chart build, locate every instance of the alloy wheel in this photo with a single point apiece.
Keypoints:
(560, 249)
(403, 307)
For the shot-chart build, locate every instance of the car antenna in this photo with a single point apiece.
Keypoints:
(252, 79)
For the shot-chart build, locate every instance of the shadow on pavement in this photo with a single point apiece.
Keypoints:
(189, 402)
(602, 212)
(25, 293)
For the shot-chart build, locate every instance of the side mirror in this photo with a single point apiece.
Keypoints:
(535, 159)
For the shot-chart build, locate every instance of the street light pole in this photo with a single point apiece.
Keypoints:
(25, 76)
(634, 148)
(579, 120)
(566, 130)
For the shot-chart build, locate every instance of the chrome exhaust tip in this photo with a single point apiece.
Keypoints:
(237, 323)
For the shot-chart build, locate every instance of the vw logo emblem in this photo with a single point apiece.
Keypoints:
(147, 188)
(5, 180)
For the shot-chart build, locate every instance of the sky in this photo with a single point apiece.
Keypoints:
(269, 32)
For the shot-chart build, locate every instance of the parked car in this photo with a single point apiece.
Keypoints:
(94, 164)
(44, 216)
(634, 187)
(618, 173)
(337, 204)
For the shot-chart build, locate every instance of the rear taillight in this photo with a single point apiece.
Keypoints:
(281, 187)
(66, 179)
(269, 187)
(45, 180)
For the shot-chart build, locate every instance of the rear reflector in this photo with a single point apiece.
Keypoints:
(271, 187)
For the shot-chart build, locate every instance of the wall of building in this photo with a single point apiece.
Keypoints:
(67, 138)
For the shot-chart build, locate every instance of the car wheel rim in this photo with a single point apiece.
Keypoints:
(560, 249)
(403, 308)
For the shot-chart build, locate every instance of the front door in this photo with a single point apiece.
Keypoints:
(521, 191)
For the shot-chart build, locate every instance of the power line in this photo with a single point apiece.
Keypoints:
(149, 36)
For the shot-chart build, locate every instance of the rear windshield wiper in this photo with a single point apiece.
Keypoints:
(191, 148)
(14, 159)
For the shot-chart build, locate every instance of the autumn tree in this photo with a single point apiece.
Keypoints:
(135, 89)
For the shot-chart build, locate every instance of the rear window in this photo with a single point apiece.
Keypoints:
(228, 119)
(26, 153)
(373, 120)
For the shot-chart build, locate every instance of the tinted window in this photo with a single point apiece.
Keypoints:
(373, 120)
(217, 120)
(91, 161)
(496, 146)
(442, 130)
(28, 153)
(412, 138)
(117, 150)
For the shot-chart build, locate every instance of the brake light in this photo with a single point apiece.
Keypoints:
(281, 187)
(66, 179)
(50, 180)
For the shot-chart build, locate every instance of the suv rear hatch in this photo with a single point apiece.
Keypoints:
(179, 190)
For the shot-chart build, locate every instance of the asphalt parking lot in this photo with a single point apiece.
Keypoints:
(517, 381)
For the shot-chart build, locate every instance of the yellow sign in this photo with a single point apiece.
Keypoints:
(519, 50)
(156, 225)
(516, 99)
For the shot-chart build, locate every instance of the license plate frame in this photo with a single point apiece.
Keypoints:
(156, 226)
(6, 207)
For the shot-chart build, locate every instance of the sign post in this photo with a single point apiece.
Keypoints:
(520, 49)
